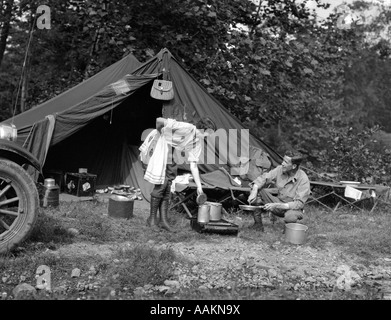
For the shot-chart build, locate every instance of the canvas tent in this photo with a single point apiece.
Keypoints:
(98, 124)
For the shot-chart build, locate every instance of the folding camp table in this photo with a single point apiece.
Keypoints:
(321, 192)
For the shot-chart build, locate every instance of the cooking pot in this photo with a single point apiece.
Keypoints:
(203, 213)
(120, 207)
(214, 211)
(295, 233)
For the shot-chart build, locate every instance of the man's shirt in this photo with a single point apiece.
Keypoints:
(293, 190)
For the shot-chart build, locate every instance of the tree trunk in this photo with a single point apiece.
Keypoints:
(5, 28)
(91, 55)
(255, 23)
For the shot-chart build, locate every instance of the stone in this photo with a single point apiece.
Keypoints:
(272, 273)
(310, 279)
(376, 277)
(171, 283)
(24, 291)
(60, 289)
(347, 216)
(250, 262)
(139, 291)
(148, 286)
(163, 288)
(104, 293)
(348, 279)
(387, 296)
(342, 269)
(92, 271)
(172, 290)
(75, 273)
(204, 289)
(73, 231)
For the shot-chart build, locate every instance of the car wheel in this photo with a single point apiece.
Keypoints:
(19, 203)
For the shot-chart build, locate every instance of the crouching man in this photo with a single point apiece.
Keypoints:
(293, 190)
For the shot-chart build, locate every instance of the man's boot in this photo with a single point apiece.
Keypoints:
(152, 219)
(164, 214)
(258, 225)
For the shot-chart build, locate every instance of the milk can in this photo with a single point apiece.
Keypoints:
(203, 213)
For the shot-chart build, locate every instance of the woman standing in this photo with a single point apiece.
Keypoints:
(170, 136)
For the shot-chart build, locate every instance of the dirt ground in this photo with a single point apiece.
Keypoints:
(245, 262)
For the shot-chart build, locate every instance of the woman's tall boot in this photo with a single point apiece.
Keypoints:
(152, 220)
(164, 214)
(164, 205)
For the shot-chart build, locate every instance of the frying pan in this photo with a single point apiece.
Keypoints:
(249, 207)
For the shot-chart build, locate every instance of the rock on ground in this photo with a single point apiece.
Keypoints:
(24, 291)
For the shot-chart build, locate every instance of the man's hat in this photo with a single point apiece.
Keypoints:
(293, 157)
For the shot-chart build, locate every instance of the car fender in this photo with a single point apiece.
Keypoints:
(14, 152)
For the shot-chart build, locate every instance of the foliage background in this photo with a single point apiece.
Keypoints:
(295, 81)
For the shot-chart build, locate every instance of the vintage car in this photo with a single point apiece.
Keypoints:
(19, 198)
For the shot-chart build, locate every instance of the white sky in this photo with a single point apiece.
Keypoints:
(322, 13)
(334, 3)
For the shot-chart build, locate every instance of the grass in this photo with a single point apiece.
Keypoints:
(356, 232)
(141, 265)
(361, 233)
(133, 263)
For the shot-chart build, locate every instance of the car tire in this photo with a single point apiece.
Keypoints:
(19, 205)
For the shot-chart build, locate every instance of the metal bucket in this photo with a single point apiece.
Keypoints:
(214, 211)
(295, 233)
(120, 207)
(203, 213)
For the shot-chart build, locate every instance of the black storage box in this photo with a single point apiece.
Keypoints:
(222, 226)
(80, 184)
